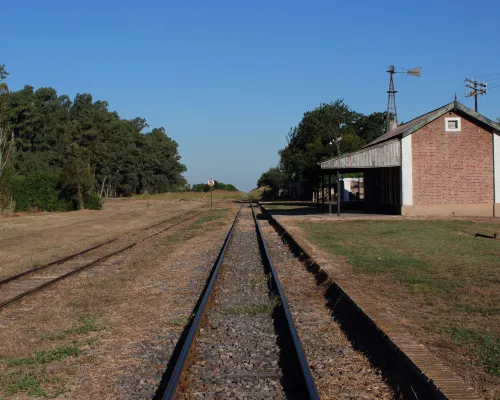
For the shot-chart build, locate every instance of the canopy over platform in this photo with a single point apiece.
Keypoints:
(387, 154)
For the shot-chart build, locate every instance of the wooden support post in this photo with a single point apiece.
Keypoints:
(322, 194)
(338, 193)
(330, 194)
(317, 195)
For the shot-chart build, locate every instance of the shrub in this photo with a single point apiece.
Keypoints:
(92, 201)
(39, 191)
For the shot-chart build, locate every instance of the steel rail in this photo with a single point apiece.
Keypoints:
(312, 391)
(60, 277)
(181, 364)
(58, 261)
(74, 255)
(87, 265)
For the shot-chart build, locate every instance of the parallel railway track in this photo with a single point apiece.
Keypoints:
(242, 342)
(18, 286)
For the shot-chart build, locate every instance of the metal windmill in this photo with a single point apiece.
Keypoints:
(391, 100)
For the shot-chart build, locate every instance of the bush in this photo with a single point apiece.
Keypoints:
(39, 191)
(5, 189)
(92, 201)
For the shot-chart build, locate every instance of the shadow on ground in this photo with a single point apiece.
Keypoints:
(364, 336)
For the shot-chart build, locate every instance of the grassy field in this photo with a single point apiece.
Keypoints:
(440, 277)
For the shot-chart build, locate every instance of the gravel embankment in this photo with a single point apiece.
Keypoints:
(340, 372)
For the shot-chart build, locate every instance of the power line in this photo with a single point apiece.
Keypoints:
(478, 88)
(484, 76)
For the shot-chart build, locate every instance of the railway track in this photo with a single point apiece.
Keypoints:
(242, 342)
(15, 287)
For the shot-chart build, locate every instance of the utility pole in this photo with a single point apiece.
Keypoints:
(478, 88)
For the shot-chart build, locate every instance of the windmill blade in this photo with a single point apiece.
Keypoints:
(415, 72)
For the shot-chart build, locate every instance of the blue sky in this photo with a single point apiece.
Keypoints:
(227, 79)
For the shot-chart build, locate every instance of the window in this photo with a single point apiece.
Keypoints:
(452, 124)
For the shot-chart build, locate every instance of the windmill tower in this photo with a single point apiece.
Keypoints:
(391, 98)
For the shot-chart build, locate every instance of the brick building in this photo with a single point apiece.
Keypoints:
(443, 163)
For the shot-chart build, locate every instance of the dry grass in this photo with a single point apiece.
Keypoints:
(33, 239)
(440, 281)
(80, 335)
(185, 196)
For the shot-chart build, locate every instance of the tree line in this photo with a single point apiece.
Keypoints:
(203, 187)
(58, 153)
(312, 141)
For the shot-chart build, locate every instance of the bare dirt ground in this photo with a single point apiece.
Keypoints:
(31, 239)
(107, 332)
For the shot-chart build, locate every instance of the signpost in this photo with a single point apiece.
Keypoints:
(211, 184)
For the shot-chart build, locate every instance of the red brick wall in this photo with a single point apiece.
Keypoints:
(452, 167)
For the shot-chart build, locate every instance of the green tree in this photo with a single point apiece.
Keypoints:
(200, 187)
(114, 152)
(273, 178)
(6, 133)
(203, 187)
(6, 144)
(5, 188)
(77, 180)
(371, 127)
(311, 141)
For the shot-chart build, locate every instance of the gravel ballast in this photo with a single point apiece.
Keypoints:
(339, 370)
(237, 355)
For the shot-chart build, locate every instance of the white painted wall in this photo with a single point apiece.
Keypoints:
(496, 164)
(349, 185)
(406, 171)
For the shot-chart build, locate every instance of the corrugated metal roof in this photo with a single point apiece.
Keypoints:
(424, 119)
(421, 121)
(399, 130)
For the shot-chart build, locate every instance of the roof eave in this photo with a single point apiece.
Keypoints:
(482, 118)
(432, 117)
